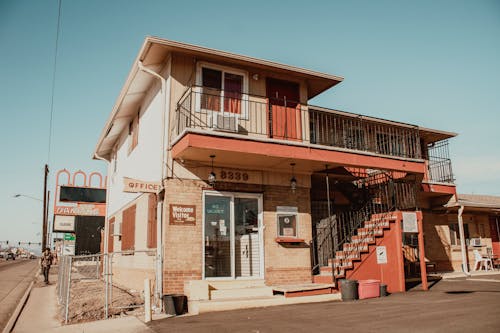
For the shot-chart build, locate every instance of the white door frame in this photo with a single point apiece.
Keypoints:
(232, 196)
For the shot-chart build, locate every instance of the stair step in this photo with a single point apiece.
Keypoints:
(377, 224)
(385, 216)
(353, 255)
(362, 239)
(323, 278)
(361, 247)
(370, 232)
(241, 292)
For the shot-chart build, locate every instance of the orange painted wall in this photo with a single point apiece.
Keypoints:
(392, 273)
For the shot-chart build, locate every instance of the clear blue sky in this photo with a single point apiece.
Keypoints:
(430, 63)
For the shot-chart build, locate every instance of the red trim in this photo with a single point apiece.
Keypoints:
(439, 188)
(288, 240)
(323, 156)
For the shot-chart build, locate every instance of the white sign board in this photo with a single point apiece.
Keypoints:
(381, 255)
(64, 223)
(68, 250)
(410, 222)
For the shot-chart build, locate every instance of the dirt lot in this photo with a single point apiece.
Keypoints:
(459, 305)
(87, 301)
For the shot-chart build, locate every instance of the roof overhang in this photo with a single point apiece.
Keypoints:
(154, 53)
(432, 135)
(477, 203)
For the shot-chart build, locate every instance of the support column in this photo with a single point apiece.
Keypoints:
(421, 252)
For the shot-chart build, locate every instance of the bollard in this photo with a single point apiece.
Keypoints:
(147, 301)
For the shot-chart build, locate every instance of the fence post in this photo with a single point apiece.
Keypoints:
(147, 301)
(68, 291)
(106, 291)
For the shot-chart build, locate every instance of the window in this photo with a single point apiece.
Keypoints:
(455, 234)
(133, 133)
(222, 89)
(128, 229)
(111, 231)
(151, 241)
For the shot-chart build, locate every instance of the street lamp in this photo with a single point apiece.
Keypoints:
(45, 213)
(26, 196)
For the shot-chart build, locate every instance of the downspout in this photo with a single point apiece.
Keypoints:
(159, 209)
(463, 248)
(106, 242)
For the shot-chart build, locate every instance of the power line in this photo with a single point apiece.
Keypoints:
(54, 80)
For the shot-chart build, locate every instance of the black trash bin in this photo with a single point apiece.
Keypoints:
(383, 290)
(349, 289)
(175, 304)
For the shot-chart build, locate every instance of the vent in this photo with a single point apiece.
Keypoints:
(475, 241)
(118, 229)
(227, 123)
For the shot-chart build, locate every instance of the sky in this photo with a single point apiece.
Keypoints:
(431, 63)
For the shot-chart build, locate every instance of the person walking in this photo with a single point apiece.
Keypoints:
(45, 263)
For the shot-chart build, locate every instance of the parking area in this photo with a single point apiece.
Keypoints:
(452, 305)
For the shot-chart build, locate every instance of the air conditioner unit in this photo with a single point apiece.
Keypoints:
(224, 122)
(475, 242)
(117, 229)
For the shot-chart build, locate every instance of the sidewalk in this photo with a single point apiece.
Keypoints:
(41, 309)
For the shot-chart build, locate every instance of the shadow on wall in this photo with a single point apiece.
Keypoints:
(437, 247)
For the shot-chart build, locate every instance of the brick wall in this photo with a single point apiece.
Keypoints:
(183, 248)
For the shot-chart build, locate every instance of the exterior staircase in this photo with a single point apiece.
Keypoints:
(351, 256)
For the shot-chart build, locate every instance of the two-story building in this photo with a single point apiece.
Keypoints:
(256, 184)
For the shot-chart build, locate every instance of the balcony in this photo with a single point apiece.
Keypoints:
(261, 118)
(439, 167)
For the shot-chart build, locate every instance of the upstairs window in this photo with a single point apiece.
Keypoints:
(222, 89)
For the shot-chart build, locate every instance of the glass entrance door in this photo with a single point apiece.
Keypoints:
(232, 235)
(246, 235)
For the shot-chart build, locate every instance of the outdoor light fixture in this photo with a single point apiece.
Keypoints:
(211, 176)
(293, 181)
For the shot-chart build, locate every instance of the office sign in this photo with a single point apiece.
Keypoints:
(69, 237)
(135, 185)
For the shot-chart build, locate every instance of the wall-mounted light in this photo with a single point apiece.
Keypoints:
(255, 77)
(211, 175)
(293, 181)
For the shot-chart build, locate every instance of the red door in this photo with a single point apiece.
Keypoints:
(284, 110)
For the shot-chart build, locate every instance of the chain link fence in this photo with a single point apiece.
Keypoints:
(100, 286)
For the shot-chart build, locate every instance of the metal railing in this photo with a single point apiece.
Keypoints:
(332, 232)
(282, 119)
(439, 162)
(358, 133)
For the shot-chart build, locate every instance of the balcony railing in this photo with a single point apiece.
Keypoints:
(281, 119)
(440, 163)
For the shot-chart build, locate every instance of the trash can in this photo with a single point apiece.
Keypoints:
(348, 289)
(368, 288)
(383, 290)
(175, 304)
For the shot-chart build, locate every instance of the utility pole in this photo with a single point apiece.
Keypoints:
(45, 205)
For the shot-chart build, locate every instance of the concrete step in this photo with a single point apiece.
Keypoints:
(196, 307)
(391, 216)
(233, 293)
(370, 232)
(236, 284)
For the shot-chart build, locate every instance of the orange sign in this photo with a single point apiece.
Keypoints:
(81, 210)
(134, 185)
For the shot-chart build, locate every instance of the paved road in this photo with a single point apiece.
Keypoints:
(459, 305)
(15, 277)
